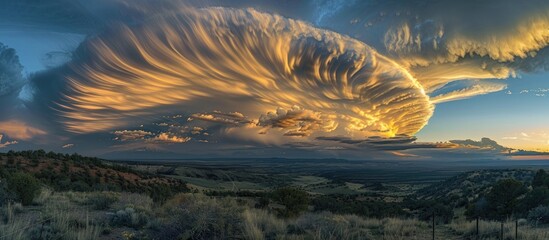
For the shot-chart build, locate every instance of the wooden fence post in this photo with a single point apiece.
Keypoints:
(516, 229)
(478, 236)
(433, 225)
(501, 237)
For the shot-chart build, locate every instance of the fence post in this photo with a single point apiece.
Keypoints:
(478, 237)
(501, 237)
(433, 225)
(516, 229)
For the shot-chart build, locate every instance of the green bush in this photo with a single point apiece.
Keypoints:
(539, 215)
(101, 201)
(129, 217)
(25, 186)
(295, 200)
(200, 217)
(5, 194)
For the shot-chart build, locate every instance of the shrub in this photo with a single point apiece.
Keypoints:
(134, 200)
(25, 186)
(5, 194)
(200, 217)
(260, 224)
(324, 225)
(129, 217)
(101, 201)
(538, 196)
(539, 215)
(295, 200)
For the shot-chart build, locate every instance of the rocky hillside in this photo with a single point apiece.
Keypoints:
(65, 172)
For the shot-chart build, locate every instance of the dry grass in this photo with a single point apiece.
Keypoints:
(492, 230)
(54, 218)
(14, 227)
(72, 224)
(259, 223)
(66, 216)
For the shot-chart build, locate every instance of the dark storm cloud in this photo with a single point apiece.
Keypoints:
(11, 77)
(484, 143)
(387, 144)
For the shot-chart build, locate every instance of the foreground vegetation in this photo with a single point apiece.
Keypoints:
(57, 196)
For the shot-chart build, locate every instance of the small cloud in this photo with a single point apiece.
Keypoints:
(232, 118)
(401, 154)
(70, 145)
(524, 134)
(510, 138)
(165, 137)
(2, 145)
(131, 135)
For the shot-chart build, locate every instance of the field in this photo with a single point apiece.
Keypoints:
(262, 199)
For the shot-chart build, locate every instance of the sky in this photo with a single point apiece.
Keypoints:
(314, 78)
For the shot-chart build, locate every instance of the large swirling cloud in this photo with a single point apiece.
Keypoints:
(242, 61)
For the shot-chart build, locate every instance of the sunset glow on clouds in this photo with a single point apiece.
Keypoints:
(176, 74)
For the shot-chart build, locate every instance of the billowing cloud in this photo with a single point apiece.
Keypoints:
(247, 63)
(298, 122)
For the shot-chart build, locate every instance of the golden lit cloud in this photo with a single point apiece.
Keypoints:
(479, 88)
(19, 130)
(245, 62)
(131, 135)
(165, 137)
(442, 41)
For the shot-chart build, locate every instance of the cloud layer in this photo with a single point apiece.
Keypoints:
(441, 41)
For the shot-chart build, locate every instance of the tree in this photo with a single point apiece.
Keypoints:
(538, 196)
(541, 179)
(444, 213)
(25, 186)
(503, 198)
(295, 200)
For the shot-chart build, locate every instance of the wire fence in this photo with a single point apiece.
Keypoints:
(481, 229)
(510, 229)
